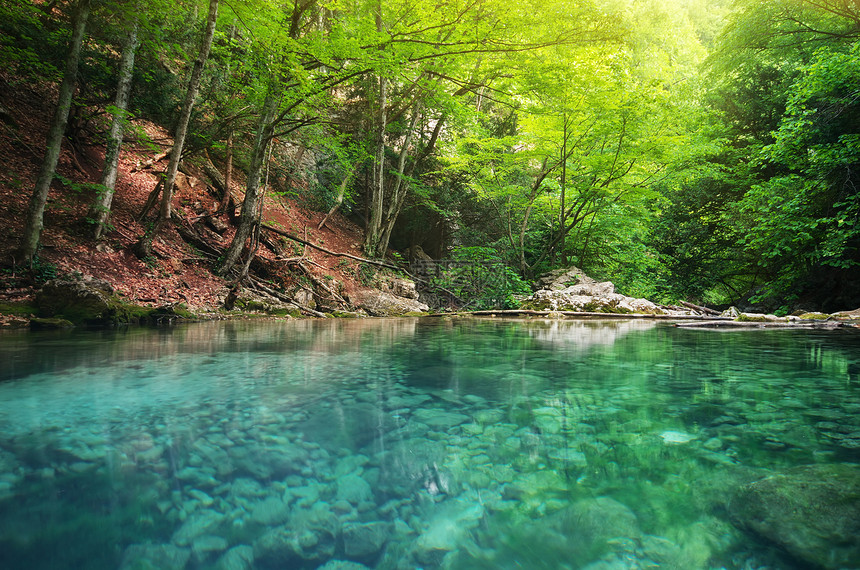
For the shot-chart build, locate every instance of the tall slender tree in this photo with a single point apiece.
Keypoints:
(100, 209)
(34, 221)
(143, 247)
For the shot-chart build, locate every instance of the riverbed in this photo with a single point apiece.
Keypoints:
(409, 443)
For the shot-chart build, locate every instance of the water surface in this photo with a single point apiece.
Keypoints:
(409, 443)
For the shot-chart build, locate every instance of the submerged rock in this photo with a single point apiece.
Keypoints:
(354, 489)
(813, 512)
(363, 541)
(673, 437)
(592, 524)
(283, 547)
(237, 558)
(342, 565)
(154, 557)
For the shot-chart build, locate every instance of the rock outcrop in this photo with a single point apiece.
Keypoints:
(391, 296)
(87, 301)
(384, 304)
(572, 290)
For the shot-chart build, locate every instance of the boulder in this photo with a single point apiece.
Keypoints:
(572, 290)
(594, 526)
(812, 512)
(237, 558)
(154, 557)
(573, 277)
(571, 299)
(385, 304)
(364, 541)
(282, 547)
(402, 288)
(83, 300)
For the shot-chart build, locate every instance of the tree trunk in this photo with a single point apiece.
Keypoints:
(248, 216)
(228, 174)
(373, 231)
(100, 210)
(35, 213)
(340, 195)
(143, 248)
(398, 193)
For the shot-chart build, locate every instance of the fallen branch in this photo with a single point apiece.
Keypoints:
(329, 252)
(280, 296)
(151, 161)
(701, 309)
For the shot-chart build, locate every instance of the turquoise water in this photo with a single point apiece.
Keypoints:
(410, 443)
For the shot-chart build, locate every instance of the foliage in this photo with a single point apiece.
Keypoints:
(677, 149)
(476, 278)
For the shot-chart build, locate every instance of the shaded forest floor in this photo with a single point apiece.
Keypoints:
(177, 272)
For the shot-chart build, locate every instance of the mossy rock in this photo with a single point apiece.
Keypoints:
(92, 302)
(751, 319)
(811, 511)
(815, 316)
(345, 314)
(415, 314)
(17, 309)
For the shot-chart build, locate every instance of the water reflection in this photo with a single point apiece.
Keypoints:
(454, 443)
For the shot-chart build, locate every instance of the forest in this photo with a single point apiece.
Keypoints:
(698, 150)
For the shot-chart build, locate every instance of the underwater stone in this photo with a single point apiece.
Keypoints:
(207, 546)
(568, 456)
(488, 416)
(246, 488)
(363, 541)
(673, 437)
(350, 464)
(305, 496)
(154, 557)
(448, 526)
(204, 499)
(592, 524)
(713, 444)
(440, 419)
(278, 548)
(812, 511)
(237, 558)
(342, 565)
(196, 525)
(270, 511)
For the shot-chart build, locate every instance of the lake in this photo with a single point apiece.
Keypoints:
(409, 443)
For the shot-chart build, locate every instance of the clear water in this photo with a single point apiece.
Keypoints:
(411, 443)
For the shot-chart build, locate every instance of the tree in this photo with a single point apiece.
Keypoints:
(143, 247)
(100, 210)
(33, 223)
(782, 87)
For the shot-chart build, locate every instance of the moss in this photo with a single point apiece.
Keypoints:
(345, 314)
(285, 312)
(17, 309)
(416, 314)
(751, 318)
(814, 316)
